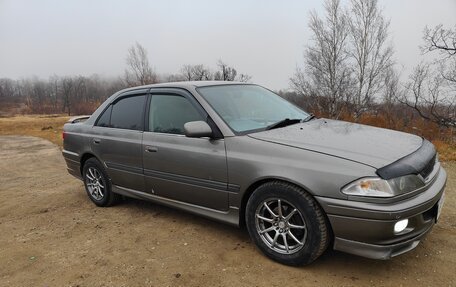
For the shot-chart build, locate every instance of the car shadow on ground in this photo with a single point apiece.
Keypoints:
(229, 248)
(330, 259)
(179, 215)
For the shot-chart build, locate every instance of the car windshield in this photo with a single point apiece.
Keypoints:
(248, 108)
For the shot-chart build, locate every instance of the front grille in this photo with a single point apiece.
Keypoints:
(427, 170)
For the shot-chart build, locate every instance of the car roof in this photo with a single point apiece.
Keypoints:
(186, 85)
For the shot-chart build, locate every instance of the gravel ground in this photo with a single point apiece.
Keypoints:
(52, 235)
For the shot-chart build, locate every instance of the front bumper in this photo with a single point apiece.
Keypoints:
(367, 229)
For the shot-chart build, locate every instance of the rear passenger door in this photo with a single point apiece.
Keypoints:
(191, 170)
(117, 140)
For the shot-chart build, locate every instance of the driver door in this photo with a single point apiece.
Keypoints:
(190, 170)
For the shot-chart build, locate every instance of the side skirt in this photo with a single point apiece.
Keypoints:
(231, 216)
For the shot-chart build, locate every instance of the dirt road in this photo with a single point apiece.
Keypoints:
(52, 235)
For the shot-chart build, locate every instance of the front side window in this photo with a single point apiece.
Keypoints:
(105, 118)
(128, 113)
(169, 113)
(248, 108)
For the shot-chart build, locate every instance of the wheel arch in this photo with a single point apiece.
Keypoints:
(84, 158)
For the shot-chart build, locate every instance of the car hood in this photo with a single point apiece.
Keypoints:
(372, 146)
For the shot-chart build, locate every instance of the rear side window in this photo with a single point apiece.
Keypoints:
(105, 118)
(169, 113)
(128, 113)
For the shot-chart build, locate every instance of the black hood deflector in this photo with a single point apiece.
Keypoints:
(413, 163)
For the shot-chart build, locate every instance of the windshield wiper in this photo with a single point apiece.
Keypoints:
(310, 117)
(283, 123)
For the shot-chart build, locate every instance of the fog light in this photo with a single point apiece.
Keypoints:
(400, 226)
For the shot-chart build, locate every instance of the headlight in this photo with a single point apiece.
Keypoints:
(377, 187)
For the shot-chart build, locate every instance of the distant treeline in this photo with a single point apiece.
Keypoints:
(82, 95)
(71, 95)
(75, 95)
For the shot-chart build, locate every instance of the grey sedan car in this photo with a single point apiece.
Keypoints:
(240, 154)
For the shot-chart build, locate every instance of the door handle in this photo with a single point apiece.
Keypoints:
(96, 141)
(151, 149)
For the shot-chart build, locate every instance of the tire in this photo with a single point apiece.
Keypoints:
(97, 184)
(298, 240)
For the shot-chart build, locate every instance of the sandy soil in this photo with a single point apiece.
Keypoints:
(52, 235)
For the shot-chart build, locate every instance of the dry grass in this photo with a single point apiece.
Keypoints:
(50, 127)
(447, 152)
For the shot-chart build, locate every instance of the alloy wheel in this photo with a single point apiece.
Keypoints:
(95, 183)
(281, 226)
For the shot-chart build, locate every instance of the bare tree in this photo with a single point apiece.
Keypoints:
(443, 41)
(392, 92)
(226, 73)
(80, 89)
(432, 85)
(67, 91)
(244, 78)
(6, 88)
(326, 75)
(187, 72)
(392, 88)
(440, 39)
(202, 73)
(370, 52)
(431, 96)
(196, 73)
(54, 88)
(27, 89)
(95, 89)
(38, 90)
(172, 78)
(139, 71)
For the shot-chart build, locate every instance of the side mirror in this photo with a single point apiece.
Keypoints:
(197, 129)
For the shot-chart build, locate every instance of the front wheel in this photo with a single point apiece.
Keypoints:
(286, 223)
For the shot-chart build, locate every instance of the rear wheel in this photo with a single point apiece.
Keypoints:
(97, 184)
(286, 223)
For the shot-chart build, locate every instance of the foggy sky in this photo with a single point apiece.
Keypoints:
(264, 39)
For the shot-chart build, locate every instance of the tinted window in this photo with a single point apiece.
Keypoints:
(128, 113)
(105, 118)
(169, 113)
